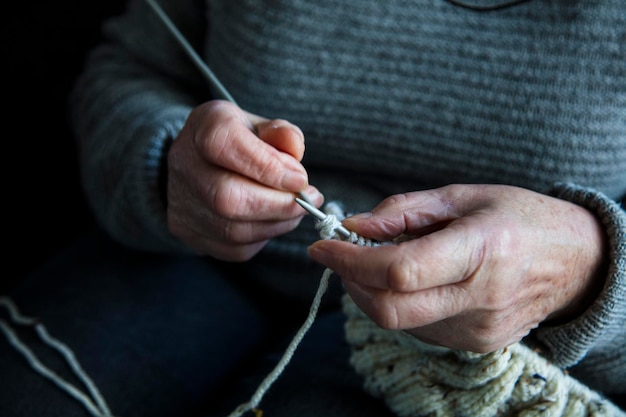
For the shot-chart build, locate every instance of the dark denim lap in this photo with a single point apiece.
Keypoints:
(157, 334)
(318, 381)
(172, 336)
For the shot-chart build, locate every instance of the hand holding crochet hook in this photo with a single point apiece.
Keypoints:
(232, 177)
(232, 174)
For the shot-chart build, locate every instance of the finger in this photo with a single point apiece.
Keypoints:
(221, 249)
(282, 135)
(397, 310)
(235, 197)
(216, 231)
(205, 231)
(471, 333)
(416, 213)
(447, 256)
(228, 141)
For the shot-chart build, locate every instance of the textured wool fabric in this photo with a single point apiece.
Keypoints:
(417, 379)
(391, 97)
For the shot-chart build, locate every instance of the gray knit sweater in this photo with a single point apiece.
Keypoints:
(392, 97)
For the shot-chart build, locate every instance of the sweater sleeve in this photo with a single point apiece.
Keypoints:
(595, 342)
(131, 100)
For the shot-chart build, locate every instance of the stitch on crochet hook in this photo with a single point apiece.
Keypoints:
(320, 215)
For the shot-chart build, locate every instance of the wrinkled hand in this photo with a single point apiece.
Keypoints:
(487, 264)
(231, 181)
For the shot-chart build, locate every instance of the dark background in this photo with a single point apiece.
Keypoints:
(44, 45)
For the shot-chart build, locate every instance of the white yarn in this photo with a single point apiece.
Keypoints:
(96, 405)
(328, 226)
(327, 229)
(99, 408)
(293, 345)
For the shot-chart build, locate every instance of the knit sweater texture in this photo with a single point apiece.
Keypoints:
(392, 97)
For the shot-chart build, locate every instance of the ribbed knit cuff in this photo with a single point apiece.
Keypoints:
(156, 179)
(605, 319)
(149, 223)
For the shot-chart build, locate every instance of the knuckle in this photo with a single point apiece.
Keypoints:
(403, 274)
(217, 108)
(216, 130)
(231, 234)
(488, 336)
(270, 168)
(396, 200)
(237, 233)
(214, 140)
(504, 245)
(266, 171)
(386, 317)
(284, 124)
(226, 198)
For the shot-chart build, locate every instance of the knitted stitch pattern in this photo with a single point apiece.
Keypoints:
(417, 379)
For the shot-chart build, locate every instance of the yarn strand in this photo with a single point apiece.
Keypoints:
(97, 409)
(289, 352)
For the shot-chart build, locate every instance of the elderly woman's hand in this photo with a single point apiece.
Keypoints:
(232, 177)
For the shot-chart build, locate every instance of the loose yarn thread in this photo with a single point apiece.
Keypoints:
(253, 403)
(96, 405)
(327, 229)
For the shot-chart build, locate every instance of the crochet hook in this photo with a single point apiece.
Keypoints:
(216, 86)
(320, 215)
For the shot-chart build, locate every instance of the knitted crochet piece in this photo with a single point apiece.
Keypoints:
(417, 379)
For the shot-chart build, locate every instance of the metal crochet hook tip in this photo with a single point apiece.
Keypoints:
(305, 198)
(320, 215)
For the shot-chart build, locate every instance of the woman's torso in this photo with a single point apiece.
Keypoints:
(427, 93)
(405, 95)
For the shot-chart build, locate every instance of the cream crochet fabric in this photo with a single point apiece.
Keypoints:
(417, 379)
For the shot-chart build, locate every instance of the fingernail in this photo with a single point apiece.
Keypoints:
(314, 194)
(316, 253)
(350, 221)
(361, 216)
(294, 180)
